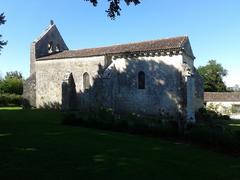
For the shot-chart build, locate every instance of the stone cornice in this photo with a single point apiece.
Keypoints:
(156, 53)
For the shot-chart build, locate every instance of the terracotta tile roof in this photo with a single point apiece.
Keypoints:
(162, 44)
(221, 96)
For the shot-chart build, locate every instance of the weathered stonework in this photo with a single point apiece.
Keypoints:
(113, 75)
(29, 92)
(50, 42)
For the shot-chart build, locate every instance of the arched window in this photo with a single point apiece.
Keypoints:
(141, 80)
(58, 48)
(50, 47)
(86, 81)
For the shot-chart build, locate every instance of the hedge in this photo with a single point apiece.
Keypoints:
(10, 100)
(211, 130)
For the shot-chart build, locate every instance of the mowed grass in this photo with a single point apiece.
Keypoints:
(34, 145)
(234, 124)
(10, 108)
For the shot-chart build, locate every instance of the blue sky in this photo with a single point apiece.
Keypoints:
(213, 27)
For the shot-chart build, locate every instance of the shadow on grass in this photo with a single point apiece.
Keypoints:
(37, 147)
(5, 134)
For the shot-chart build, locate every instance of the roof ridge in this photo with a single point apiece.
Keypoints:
(45, 31)
(185, 39)
(221, 96)
(132, 43)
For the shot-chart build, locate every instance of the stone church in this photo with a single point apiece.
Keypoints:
(152, 77)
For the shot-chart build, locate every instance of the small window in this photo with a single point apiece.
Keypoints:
(86, 81)
(58, 48)
(141, 80)
(50, 47)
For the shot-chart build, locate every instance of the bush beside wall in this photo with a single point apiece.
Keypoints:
(10, 100)
(211, 130)
(131, 123)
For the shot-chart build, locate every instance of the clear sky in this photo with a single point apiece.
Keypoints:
(213, 27)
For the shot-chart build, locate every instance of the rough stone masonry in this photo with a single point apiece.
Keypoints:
(152, 77)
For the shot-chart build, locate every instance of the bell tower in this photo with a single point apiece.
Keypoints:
(49, 42)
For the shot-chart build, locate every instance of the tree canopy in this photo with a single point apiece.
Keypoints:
(12, 83)
(13, 74)
(213, 74)
(2, 21)
(114, 6)
(235, 88)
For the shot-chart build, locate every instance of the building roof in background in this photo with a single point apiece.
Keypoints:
(221, 96)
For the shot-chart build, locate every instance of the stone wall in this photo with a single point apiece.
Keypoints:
(162, 86)
(199, 91)
(29, 92)
(69, 94)
(119, 88)
(114, 84)
(50, 76)
(50, 42)
(196, 83)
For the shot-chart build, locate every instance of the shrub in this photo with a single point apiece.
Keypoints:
(77, 119)
(12, 86)
(218, 136)
(105, 115)
(209, 132)
(132, 123)
(121, 125)
(208, 115)
(103, 119)
(10, 100)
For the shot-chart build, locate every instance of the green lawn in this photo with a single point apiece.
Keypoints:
(10, 108)
(234, 124)
(34, 145)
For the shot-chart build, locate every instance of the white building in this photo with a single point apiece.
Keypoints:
(226, 103)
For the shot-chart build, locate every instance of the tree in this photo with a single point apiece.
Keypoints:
(12, 83)
(213, 74)
(2, 21)
(114, 6)
(235, 88)
(13, 74)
